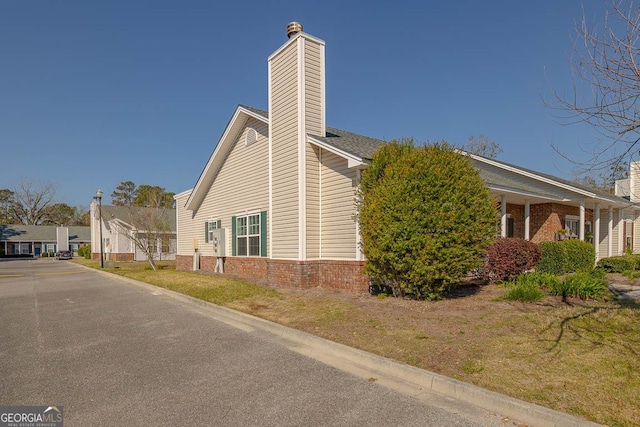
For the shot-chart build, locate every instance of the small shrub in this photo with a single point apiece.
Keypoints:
(525, 293)
(44, 255)
(618, 264)
(508, 258)
(581, 285)
(530, 287)
(540, 280)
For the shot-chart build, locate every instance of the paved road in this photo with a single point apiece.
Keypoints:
(115, 354)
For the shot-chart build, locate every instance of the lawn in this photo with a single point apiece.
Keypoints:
(579, 357)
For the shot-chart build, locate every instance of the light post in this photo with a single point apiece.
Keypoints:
(98, 197)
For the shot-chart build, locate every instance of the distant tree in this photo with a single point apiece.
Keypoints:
(153, 197)
(605, 67)
(482, 146)
(124, 194)
(82, 217)
(426, 218)
(59, 214)
(31, 203)
(148, 196)
(6, 212)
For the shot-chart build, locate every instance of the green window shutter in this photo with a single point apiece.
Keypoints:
(263, 233)
(233, 236)
(206, 232)
(219, 226)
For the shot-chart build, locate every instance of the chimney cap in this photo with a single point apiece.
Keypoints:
(293, 28)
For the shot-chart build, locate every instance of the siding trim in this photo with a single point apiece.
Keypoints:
(354, 161)
(302, 166)
(270, 151)
(320, 150)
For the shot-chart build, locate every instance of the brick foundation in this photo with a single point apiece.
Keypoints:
(113, 256)
(344, 275)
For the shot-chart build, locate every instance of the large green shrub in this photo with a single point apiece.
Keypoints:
(507, 258)
(566, 256)
(580, 255)
(618, 264)
(552, 258)
(426, 218)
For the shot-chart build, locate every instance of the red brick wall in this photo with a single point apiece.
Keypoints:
(345, 275)
(545, 219)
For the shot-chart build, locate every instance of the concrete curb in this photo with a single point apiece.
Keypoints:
(416, 382)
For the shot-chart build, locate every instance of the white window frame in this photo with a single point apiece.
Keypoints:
(574, 220)
(248, 234)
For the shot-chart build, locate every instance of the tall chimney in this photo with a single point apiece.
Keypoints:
(293, 28)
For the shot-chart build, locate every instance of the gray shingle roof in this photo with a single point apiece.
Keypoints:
(363, 147)
(358, 145)
(42, 233)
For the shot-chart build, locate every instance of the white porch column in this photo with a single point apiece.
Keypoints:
(596, 230)
(581, 230)
(610, 233)
(503, 216)
(527, 218)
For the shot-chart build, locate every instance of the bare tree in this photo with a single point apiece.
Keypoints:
(482, 146)
(149, 229)
(31, 203)
(606, 86)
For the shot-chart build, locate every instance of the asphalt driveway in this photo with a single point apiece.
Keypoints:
(115, 354)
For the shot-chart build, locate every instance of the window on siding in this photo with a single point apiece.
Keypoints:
(572, 224)
(166, 244)
(248, 235)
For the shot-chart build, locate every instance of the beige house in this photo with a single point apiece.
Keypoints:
(275, 201)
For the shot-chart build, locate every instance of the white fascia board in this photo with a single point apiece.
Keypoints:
(500, 189)
(529, 174)
(211, 168)
(182, 194)
(293, 40)
(353, 161)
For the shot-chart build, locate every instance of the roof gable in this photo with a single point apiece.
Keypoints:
(223, 147)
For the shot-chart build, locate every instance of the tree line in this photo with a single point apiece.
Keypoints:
(35, 204)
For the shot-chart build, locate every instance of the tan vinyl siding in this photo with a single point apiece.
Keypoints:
(184, 226)
(313, 201)
(242, 184)
(338, 208)
(284, 134)
(313, 87)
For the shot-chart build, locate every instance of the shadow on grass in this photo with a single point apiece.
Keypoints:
(586, 325)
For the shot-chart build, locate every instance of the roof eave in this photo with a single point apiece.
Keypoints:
(213, 165)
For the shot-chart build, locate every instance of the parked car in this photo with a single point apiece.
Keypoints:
(64, 255)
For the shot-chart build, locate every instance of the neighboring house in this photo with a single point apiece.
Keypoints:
(38, 239)
(123, 225)
(275, 201)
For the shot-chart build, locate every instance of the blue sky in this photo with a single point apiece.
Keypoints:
(93, 93)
